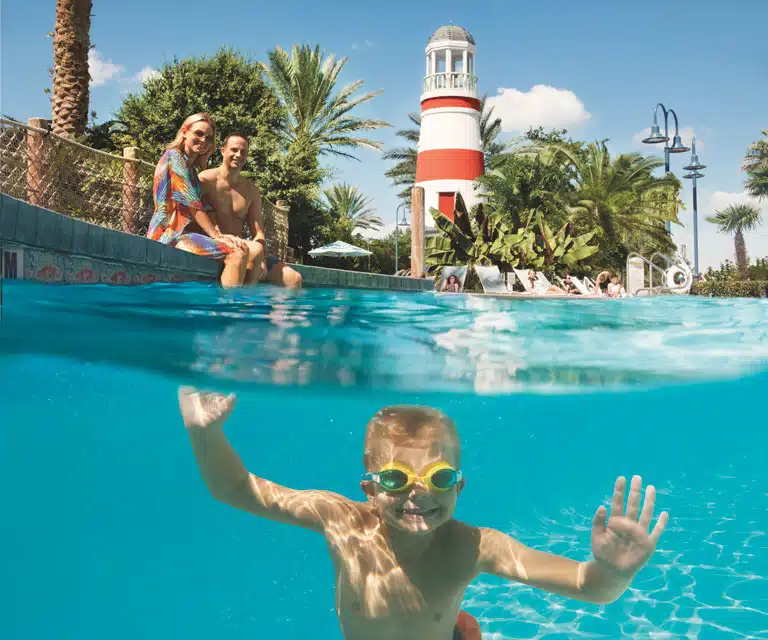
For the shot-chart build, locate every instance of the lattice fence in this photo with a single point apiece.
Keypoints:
(112, 191)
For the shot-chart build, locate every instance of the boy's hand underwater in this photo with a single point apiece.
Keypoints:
(624, 546)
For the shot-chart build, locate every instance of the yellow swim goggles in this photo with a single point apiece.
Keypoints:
(397, 478)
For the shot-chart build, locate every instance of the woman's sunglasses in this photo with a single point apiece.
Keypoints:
(397, 478)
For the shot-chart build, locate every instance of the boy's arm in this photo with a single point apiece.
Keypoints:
(230, 482)
(503, 556)
(621, 547)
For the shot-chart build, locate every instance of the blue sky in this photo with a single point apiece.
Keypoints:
(595, 67)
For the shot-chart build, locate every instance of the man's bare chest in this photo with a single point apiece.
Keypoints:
(231, 202)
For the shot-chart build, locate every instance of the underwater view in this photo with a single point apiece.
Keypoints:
(111, 532)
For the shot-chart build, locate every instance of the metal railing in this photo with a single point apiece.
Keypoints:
(664, 287)
(437, 81)
(70, 178)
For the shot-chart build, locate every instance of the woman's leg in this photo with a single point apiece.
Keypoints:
(235, 260)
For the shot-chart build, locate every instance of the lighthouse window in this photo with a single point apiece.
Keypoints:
(457, 63)
(440, 63)
(470, 63)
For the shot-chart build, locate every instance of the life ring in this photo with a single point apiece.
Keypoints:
(674, 280)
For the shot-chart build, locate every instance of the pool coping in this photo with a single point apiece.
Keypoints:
(42, 245)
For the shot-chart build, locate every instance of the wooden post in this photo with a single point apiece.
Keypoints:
(35, 160)
(417, 232)
(130, 188)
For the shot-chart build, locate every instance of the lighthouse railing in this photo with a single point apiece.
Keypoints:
(438, 81)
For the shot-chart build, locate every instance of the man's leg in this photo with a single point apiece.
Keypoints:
(282, 275)
(235, 265)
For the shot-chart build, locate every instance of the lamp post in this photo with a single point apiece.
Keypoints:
(397, 228)
(693, 166)
(656, 137)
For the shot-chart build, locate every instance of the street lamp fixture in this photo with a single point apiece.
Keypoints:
(398, 223)
(693, 166)
(656, 137)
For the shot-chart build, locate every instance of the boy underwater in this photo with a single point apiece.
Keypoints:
(402, 563)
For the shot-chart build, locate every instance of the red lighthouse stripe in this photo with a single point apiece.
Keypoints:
(449, 164)
(437, 103)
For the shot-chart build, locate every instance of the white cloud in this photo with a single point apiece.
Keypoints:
(147, 73)
(102, 71)
(721, 199)
(544, 106)
(365, 44)
(686, 134)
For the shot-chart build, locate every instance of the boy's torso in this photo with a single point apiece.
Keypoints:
(381, 596)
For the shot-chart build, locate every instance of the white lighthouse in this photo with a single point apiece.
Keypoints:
(450, 152)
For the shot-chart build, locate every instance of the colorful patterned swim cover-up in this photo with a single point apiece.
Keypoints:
(177, 197)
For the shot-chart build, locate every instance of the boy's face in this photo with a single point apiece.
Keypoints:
(419, 509)
(615, 280)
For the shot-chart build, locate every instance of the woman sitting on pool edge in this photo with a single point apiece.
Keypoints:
(179, 219)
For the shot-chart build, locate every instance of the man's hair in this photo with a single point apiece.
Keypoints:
(235, 134)
(404, 426)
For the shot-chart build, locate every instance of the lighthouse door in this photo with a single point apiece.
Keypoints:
(445, 203)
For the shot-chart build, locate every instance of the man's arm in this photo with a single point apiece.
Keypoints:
(230, 482)
(255, 220)
(503, 556)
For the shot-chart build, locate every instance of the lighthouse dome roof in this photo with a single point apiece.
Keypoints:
(452, 32)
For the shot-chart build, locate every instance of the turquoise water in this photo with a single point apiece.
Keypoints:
(108, 531)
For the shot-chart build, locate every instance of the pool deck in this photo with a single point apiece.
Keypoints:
(42, 245)
(519, 295)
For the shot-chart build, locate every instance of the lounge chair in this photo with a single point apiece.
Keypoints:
(459, 271)
(491, 279)
(583, 290)
(539, 288)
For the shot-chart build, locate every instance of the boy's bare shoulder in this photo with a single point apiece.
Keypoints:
(461, 543)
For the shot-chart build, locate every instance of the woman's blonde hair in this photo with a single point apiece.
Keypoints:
(178, 141)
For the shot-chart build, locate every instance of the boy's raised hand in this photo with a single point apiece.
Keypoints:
(623, 545)
(204, 408)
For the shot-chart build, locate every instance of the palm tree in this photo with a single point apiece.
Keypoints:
(304, 81)
(621, 198)
(351, 208)
(756, 166)
(403, 173)
(736, 219)
(71, 43)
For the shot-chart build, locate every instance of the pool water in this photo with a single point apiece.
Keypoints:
(109, 532)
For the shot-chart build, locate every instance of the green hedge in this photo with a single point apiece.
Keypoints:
(731, 288)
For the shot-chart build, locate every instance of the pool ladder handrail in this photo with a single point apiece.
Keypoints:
(663, 288)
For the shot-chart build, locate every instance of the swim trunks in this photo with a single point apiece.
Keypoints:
(467, 628)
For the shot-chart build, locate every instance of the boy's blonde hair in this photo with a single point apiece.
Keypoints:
(407, 426)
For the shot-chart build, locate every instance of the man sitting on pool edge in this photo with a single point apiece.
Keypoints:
(235, 201)
(402, 562)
